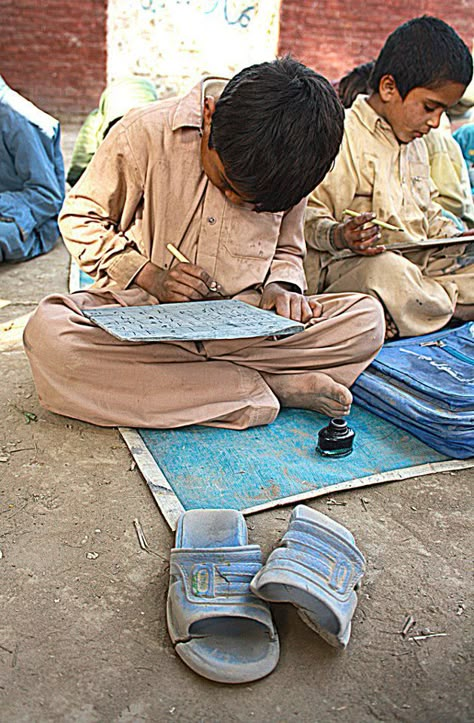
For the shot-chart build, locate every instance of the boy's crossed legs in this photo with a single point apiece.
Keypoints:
(421, 290)
(82, 372)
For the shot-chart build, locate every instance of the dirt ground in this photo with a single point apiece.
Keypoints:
(82, 628)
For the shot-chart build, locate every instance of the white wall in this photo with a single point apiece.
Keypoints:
(175, 42)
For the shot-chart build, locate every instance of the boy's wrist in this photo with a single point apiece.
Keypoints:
(336, 237)
(150, 278)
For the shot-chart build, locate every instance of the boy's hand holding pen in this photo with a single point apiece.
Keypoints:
(194, 277)
(360, 233)
(182, 282)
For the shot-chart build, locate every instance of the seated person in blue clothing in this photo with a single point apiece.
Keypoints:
(465, 138)
(31, 178)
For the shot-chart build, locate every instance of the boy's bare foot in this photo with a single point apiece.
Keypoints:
(464, 312)
(391, 330)
(313, 390)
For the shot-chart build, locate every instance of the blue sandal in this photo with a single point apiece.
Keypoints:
(316, 568)
(218, 627)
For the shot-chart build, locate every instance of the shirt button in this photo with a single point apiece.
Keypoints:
(211, 220)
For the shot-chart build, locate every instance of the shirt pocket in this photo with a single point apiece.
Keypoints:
(251, 235)
(420, 184)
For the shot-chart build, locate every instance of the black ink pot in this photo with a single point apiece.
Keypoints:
(336, 439)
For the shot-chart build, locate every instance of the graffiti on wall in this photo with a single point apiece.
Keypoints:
(234, 12)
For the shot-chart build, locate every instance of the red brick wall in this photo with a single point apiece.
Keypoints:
(54, 52)
(332, 36)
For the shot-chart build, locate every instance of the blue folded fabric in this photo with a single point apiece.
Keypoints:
(425, 385)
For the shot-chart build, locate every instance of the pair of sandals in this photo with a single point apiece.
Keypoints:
(217, 612)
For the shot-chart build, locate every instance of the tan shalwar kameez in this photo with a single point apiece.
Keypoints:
(145, 188)
(374, 172)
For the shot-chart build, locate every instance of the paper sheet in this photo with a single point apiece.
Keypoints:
(191, 321)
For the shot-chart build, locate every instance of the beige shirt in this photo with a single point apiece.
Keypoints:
(449, 172)
(374, 172)
(145, 187)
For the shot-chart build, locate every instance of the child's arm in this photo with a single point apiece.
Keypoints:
(326, 228)
(287, 262)
(91, 215)
(286, 281)
(183, 282)
(358, 235)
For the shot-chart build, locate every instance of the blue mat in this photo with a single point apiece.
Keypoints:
(78, 279)
(263, 467)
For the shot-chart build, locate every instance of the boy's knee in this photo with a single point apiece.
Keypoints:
(385, 270)
(373, 320)
(41, 335)
(388, 262)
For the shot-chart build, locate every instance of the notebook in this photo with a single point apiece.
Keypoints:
(413, 244)
(191, 321)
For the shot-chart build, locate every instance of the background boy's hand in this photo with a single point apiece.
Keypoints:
(352, 235)
(184, 282)
(289, 303)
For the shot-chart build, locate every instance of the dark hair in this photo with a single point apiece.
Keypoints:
(277, 128)
(355, 82)
(423, 53)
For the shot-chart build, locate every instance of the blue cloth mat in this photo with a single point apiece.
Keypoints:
(85, 280)
(78, 279)
(212, 468)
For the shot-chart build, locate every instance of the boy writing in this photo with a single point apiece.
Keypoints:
(383, 172)
(222, 174)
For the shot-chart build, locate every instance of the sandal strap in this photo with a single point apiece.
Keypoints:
(326, 558)
(214, 583)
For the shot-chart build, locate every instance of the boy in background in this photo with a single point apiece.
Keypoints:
(383, 172)
(464, 136)
(450, 175)
(354, 83)
(116, 100)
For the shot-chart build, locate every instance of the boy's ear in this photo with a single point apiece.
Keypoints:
(208, 111)
(388, 88)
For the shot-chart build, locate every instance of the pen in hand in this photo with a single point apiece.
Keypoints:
(213, 286)
(375, 221)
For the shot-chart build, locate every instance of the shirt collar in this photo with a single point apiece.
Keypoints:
(368, 116)
(189, 109)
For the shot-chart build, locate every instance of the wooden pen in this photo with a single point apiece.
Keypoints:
(375, 221)
(181, 257)
(177, 254)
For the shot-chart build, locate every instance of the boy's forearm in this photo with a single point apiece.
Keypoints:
(287, 262)
(320, 231)
(439, 226)
(99, 248)
(150, 278)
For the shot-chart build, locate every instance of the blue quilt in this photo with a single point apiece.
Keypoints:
(213, 468)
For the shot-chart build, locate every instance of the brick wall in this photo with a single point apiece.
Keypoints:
(333, 36)
(54, 52)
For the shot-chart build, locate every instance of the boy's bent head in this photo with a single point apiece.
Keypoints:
(276, 130)
(423, 53)
(423, 69)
